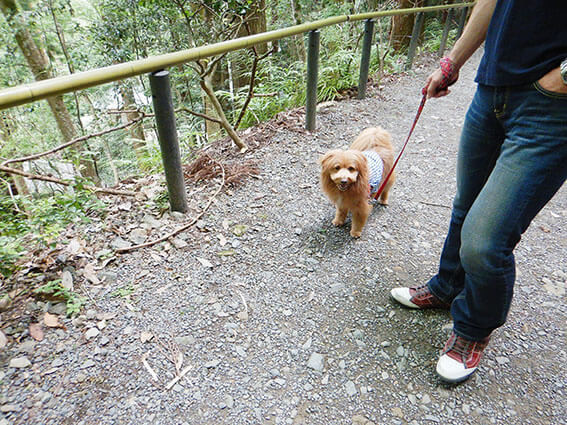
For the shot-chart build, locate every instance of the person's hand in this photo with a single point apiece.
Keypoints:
(552, 82)
(437, 84)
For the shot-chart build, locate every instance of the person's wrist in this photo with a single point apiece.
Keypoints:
(449, 70)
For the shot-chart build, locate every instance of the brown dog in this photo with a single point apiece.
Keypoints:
(348, 177)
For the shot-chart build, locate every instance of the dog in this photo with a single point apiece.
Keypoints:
(350, 177)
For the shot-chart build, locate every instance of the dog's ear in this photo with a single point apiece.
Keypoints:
(363, 171)
(324, 160)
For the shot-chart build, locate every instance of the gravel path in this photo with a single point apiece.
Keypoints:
(271, 315)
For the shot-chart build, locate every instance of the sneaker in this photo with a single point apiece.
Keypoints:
(460, 358)
(418, 297)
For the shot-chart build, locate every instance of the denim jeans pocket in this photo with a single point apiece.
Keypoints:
(549, 93)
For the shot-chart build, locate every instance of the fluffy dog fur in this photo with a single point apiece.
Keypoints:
(345, 177)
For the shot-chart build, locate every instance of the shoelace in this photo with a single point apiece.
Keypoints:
(461, 346)
(421, 290)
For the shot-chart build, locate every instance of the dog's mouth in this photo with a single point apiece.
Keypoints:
(343, 186)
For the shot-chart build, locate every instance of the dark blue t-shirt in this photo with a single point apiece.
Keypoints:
(525, 40)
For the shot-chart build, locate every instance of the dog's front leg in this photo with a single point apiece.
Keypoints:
(359, 217)
(340, 216)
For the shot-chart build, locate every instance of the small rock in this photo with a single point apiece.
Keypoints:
(502, 360)
(87, 364)
(138, 236)
(185, 340)
(316, 362)
(396, 411)
(212, 364)
(92, 333)
(59, 309)
(179, 243)
(229, 401)
(20, 362)
(119, 243)
(7, 408)
(350, 388)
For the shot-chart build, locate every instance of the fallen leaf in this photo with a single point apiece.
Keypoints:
(67, 280)
(226, 253)
(125, 206)
(36, 331)
(90, 274)
(205, 262)
(239, 229)
(222, 240)
(75, 247)
(242, 315)
(52, 321)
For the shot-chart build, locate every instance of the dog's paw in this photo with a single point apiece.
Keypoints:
(355, 234)
(338, 222)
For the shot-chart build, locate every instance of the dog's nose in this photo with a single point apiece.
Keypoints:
(344, 181)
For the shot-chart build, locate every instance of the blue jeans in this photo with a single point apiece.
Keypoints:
(512, 160)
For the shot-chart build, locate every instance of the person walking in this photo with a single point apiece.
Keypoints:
(512, 160)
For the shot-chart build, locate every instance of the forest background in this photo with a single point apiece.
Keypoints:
(215, 98)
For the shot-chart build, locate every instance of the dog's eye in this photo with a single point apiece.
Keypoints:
(351, 168)
(337, 167)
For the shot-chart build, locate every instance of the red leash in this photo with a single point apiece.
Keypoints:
(448, 69)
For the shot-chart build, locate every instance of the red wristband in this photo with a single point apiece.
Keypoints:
(448, 70)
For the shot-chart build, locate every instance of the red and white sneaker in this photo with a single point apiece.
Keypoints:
(460, 358)
(418, 297)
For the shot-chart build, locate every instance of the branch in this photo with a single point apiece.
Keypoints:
(189, 111)
(185, 226)
(198, 114)
(64, 182)
(72, 142)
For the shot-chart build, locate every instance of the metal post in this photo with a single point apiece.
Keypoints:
(167, 135)
(418, 23)
(462, 21)
(445, 35)
(365, 59)
(312, 76)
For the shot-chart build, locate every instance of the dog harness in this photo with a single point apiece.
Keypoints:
(375, 168)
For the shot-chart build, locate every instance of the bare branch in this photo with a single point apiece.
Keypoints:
(198, 114)
(72, 142)
(55, 180)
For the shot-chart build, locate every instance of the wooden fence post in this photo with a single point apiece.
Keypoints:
(167, 135)
(462, 21)
(445, 35)
(365, 59)
(418, 23)
(312, 77)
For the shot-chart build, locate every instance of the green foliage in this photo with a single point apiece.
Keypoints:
(55, 289)
(124, 291)
(26, 223)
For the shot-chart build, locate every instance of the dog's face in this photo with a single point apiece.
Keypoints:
(343, 168)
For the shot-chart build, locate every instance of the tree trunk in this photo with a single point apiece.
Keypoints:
(39, 65)
(298, 41)
(255, 24)
(208, 89)
(402, 26)
(137, 130)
